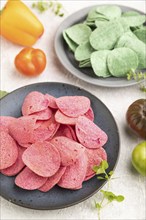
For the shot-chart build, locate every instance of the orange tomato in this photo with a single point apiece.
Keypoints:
(30, 61)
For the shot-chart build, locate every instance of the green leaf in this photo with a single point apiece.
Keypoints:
(98, 206)
(98, 170)
(100, 178)
(3, 93)
(143, 88)
(111, 196)
(104, 164)
(101, 168)
(55, 7)
(111, 173)
(119, 198)
(108, 195)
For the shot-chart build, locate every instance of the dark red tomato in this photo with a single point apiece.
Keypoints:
(136, 117)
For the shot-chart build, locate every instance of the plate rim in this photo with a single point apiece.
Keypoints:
(116, 161)
(76, 71)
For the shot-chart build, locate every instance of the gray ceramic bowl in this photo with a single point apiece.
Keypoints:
(67, 59)
(58, 197)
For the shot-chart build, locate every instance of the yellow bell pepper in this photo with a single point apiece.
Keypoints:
(19, 24)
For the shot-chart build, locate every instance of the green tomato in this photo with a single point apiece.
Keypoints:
(139, 158)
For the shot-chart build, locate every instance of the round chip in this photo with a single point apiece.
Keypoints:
(73, 106)
(17, 166)
(89, 134)
(69, 150)
(42, 158)
(109, 11)
(83, 51)
(90, 114)
(65, 130)
(89, 177)
(99, 63)
(5, 121)
(63, 119)
(45, 130)
(34, 102)
(95, 156)
(29, 180)
(105, 36)
(44, 114)
(78, 33)
(53, 180)
(141, 34)
(75, 174)
(52, 101)
(8, 150)
(22, 129)
(121, 60)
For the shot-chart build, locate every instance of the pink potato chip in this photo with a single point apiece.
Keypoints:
(17, 166)
(8, 150)
(73, 106)
(4, 128)
(66, 131)
(5, 121)
(22, 129)
(89, 177)
(72, 131)
(34, 102)
(89, 134)
(46, 130)
(53, 180)
(75, 174)
(29, 180)
(42, 158)
(69, 150)
(90, 114)
(52, 101)
(25, 145)
(95, 156)
(63, 119)
(45, 114)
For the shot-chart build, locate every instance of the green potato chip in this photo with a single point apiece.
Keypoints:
(109, 11)
(130, 13)
(93, 15)
(136, 45)
(100, 22)
(105, 36)
(85, 63)
(124, 38)
(133, 21)
(99, 63)
(90, 24)
(141, 34)
(83, 51)
(136, 27)
(121, 60)
(79, 33)
(72, 45)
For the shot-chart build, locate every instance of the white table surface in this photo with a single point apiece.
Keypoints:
(129, 183)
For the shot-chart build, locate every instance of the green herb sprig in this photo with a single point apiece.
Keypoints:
(138, 76)
(56, 7)
(107, 196)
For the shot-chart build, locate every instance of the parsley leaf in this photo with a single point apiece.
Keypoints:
(56, 7)
(107, 196)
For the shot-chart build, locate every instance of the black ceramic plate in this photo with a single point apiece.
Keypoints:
(57, 197)
(67, 58)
